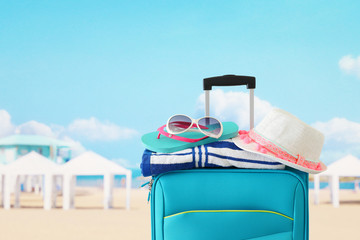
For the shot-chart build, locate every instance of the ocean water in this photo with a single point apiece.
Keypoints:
(343, 185)
(119, 181)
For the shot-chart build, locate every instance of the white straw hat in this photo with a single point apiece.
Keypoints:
(286, 139)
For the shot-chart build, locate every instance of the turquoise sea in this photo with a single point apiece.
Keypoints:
(97, 181)
(343, 185)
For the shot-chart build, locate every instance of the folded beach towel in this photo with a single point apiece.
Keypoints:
(224, 154)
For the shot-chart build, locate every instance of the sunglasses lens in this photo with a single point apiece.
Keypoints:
(210, 125)
(179, 123)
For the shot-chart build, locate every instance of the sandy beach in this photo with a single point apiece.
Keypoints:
(89, 220)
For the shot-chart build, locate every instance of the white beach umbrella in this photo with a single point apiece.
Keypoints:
(348, 166)
(30, 164)
(90, 163)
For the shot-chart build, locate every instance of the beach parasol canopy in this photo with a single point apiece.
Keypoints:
(30, 164)
(90, 163)
(348, 166)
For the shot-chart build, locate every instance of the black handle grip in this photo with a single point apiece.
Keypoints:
(229, 80)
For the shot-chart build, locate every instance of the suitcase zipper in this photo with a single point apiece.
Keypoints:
(150, 183)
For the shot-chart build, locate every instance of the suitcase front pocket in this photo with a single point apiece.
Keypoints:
(228, 224)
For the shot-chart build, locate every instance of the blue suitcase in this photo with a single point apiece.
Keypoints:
(230, 204)
(217, 204)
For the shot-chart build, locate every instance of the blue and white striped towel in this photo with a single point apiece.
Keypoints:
(217, 154)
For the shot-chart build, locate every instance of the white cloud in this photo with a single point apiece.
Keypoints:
(35, 128)
(340, 130)
(350, 65)
(234, 106)
(342, 137)
(93, 129)
(87, 129)
(76, 147)
(6, 127)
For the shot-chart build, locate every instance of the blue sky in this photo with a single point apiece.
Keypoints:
(102, 73)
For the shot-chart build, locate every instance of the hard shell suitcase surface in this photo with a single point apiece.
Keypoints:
(230, 204)
(217, 204)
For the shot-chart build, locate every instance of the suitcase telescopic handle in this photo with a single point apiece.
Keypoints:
(231, 80)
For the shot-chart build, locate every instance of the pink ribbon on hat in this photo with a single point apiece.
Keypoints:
(264, 145)
(300, 160)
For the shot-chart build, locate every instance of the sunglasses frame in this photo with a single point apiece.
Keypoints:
(196, 122)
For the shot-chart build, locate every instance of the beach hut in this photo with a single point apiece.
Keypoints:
(15, 146)
(92, 164)
(31, 164)
(348, 166)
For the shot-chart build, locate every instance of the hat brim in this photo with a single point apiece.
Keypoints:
(252, 147)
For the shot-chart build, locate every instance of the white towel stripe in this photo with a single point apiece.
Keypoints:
(196, 157)
(203, 155)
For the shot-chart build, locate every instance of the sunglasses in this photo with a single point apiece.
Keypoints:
(209, 126)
